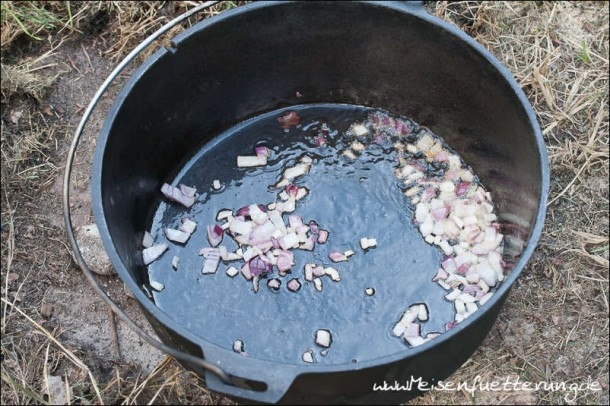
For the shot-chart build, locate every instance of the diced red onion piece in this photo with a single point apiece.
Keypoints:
(289, 119)
(242, 227)
(320, 140)
(258, 266)
(148, 240)
(322, 236)
(337, 256)
(262, 151)
(291, 189)
(449, 265)
(152, 253)
(440, 213)
(176, 195)
(314, 227)
(462, 188)
(215, 234)
(323, 338)
(261, 233)
(317, 283)
(245, 271)
(451, 325)
(440, 274)
(284, 260)
(293, 285)
(318, 270)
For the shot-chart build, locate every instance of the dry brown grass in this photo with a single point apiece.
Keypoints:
(554, 327)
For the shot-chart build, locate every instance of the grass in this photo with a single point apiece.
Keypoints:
(554, 326)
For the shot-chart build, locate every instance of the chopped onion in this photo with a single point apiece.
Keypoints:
(175, 262)
(187, 225)
(414, 341)
(317, 283)
(440, 274)
(210, 265)
(245, 271)
(148, 240)
(369, 291)
(337, 256)
(176, 235)
(262, 151)
(187, 190)
(248, 161)
(284, 260)
(319, 271)
(323, 338)
(224, 214)
(259, 266)
(158, 286)
(295, 171)
(333, 273)
(274, 284)
(232, 271)
(413, 330)
(152, 253)
(216, 184)
(308, 268)
(177, 195)
(422, 313)
(367, 243)
(322, 236)
(215, 235)
(308, 357)
(293, 285)
(238, 346)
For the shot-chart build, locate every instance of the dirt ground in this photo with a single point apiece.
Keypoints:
(61, 344)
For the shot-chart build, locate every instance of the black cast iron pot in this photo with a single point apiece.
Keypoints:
(252, 60)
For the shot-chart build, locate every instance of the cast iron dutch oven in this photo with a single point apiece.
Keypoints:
(252, 60)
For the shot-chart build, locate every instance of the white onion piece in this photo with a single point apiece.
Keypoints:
(232, 271)
(188, 226)
(308, 357)
(308, 268)
(455, 293)
(242, 227)
(251, 161)
(290, 240)
(318, 271)
(187, 190)
(359, 130)
(216, 184)
(309, 243)
(485, 298)
(369, 291)
(471, 307)
(443, 284)
(333, 273)
(296, 171)
(414, 341)
(348, 153)
(210, 265)
(151, 254)
(422, 313)
(323, 338)
(367, 243)
(175, 262)
(245, 271)
(255, 283)
(487, 274)
(158, 286)
(176, 235)
(148, 240)
(301, 193)
(224, 214)
(238, 346)
(274, 284)
(177, 195)
(317, 283)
